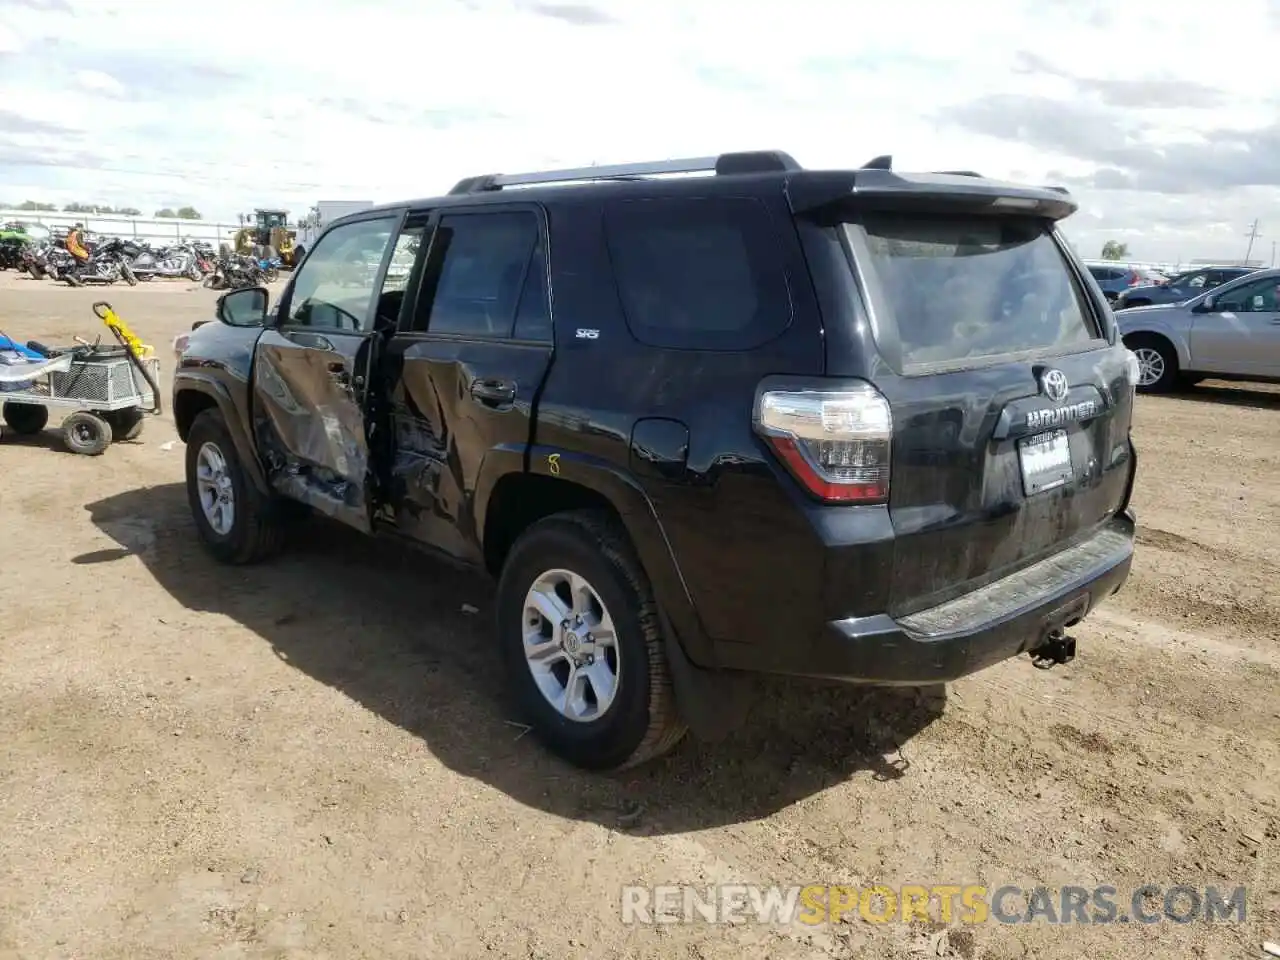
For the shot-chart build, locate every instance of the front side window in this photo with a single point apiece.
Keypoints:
(1260, 296)
(967, 287)
(334, 287)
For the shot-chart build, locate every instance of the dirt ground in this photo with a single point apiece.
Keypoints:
(314, 758)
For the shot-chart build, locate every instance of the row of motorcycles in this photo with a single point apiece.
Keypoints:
(112, 259)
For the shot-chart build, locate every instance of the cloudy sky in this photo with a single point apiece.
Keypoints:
(1163, 117)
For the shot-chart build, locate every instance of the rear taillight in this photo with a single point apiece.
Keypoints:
(835, 443)
(1134, 279)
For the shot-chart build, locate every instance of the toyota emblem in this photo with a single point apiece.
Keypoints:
(1054, 384)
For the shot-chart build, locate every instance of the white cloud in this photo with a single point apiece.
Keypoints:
(10, 42)
(95, 81)
(392, 98)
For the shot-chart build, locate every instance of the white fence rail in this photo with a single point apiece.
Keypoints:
(152, 229)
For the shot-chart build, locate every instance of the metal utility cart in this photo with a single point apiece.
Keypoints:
(106, 390)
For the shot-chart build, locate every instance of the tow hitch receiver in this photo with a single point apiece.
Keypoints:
(1057, 648)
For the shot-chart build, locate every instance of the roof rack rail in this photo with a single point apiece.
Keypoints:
(960, 173)
(759, 161)
(882, 162)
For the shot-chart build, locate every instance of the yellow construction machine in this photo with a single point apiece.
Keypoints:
(267, 234)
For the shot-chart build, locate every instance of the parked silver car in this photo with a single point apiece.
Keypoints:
(1231, 332)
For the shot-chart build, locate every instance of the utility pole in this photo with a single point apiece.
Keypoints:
(1273, 253)
(1252, 235)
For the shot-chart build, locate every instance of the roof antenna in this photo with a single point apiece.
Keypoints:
(884, 162)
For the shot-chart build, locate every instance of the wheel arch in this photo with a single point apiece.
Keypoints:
(192, 395)
(510, 497)
(1160, 332)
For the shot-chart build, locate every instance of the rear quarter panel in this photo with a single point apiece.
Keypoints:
(731, 530)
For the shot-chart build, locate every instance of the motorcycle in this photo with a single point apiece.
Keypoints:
(57, 262)
(35, 259)
(176, 261)
(108, 263)
(234, 272)
(270, 269)
(12, 245)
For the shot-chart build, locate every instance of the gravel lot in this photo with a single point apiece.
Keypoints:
(313, 758)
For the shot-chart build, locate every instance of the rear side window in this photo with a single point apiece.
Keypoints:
(966, 287)
(698, 273)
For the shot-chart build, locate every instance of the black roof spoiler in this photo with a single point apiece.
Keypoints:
(878, 186)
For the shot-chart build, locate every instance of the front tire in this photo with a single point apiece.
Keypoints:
(236, 521)
(86, 433)
(1157, 363)
(598, 691)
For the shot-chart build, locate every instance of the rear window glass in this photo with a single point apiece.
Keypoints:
(962, 288)
(698, 273)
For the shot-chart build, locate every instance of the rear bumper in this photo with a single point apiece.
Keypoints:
(1001, 620)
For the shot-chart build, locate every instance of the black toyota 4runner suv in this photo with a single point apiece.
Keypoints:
(858, 425)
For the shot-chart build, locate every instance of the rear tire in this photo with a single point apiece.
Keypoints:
(26, 419)
(86, 433)
(1157, 362)
(639, 721)
(252, 530)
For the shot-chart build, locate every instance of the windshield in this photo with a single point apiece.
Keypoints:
(966, 287)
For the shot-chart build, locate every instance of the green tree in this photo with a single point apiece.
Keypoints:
(33, 205)
(129, 212)
(189, 213)
(166, 213)
(1114, 250)
(89, 208)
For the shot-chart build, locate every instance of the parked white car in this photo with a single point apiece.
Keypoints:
(1231, 332)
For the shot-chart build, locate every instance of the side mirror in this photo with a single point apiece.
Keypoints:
(1259, 303)
(1207, 305)
(244, 308)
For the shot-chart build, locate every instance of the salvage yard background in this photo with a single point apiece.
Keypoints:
(312, 758)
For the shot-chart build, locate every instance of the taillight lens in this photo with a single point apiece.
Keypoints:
(1134, 279)
(836, 443)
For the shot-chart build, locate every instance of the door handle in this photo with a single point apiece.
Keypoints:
(338, 373)
(493, 392)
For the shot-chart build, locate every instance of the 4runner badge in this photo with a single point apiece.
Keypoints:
(1053, 383)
